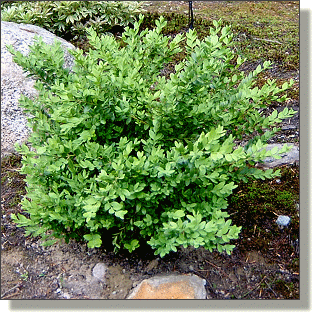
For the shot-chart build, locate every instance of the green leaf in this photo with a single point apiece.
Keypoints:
(210, 227)
(120, 214)
(94, 240)
(134, 244)
(117, 206)
(178, 214)
(41, 150)
(49, 242)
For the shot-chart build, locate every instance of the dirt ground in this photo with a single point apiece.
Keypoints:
(264, 264)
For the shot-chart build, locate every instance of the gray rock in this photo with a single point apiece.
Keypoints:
(66, 295)
(170, 287)
(14, 82)
(290, 157)
(288, 127)
(99, 272)
(283, 221)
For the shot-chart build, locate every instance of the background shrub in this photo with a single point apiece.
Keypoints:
(69, 19)
(118, 148)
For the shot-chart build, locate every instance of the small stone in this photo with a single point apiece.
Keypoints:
(296, 246)
(99, 271)
(152, 265)
(288, 127)
(170, 287)
(290, 157)
(283, 221)
(66, 296)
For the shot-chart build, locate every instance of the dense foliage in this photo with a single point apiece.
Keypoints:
(116, 146)
(69, 18)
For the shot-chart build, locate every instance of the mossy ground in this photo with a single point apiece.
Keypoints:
(12, 182)
(262, 30)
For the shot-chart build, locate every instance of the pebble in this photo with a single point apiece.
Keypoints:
(283, 221)
(152, 265)
(66, 295)
(99, 271)
(288, 127)
(296, 246)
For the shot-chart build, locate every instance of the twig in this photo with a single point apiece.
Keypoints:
(268, 40)
(13, 294)
(271, 289)
(13, 170)
(207, 270)
(219, 268)
(16, 286)
(256, 287)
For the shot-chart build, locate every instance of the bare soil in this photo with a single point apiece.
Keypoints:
(264, 264)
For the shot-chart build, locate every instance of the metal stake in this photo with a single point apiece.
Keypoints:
(190, 15)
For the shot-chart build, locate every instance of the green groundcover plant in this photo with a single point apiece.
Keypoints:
(119, 148)
(68, 18)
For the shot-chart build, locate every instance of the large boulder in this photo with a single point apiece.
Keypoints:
(14, 82)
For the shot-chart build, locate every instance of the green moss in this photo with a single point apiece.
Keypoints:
(10, 169)
(12, 180)
(294, 265)
(263, 30)
(175, 22)
(11, 161)
(256, 205)
(258, 198)
(286, 289)
(14, 201)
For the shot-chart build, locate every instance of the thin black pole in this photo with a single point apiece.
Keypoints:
(190, 15)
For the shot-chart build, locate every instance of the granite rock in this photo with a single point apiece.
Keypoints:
(170, 287)
(14, 81)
